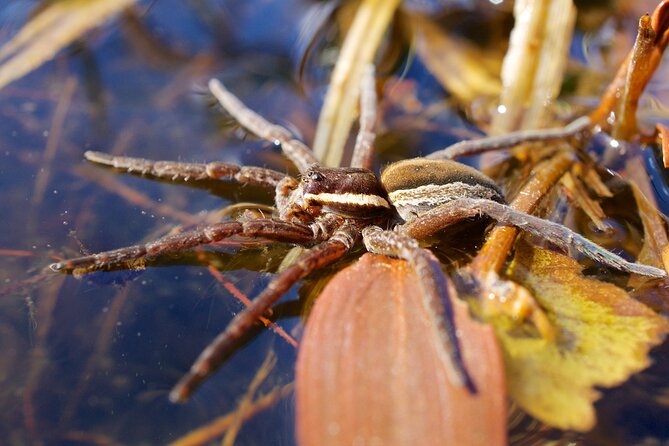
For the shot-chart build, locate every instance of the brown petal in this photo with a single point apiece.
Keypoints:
(368, 371)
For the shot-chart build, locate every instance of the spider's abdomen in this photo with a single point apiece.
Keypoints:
(349, 192)
(421, 184)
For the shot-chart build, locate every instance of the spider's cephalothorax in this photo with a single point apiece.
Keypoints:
(330, 210)
(353, 193)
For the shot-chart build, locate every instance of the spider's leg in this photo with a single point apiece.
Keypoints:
(211, 358)
(363, 153)
(189, 171)
(270, 229)
(436, 219)
(295, 150)
(508, 140)
(434, 293)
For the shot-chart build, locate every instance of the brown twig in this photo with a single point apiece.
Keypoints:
(622, 94)
(247, 400)
(16, 253)
(53, 140)
(219, 426)
(245, 300)
(496, 249)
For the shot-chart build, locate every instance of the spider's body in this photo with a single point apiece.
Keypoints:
(420, 184)
(406, 188)
(332, 209)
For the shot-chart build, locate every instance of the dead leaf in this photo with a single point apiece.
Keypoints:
(55, 26)
(655, 233)
(578, 194)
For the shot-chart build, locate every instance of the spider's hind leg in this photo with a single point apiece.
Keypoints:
(211, 358)
(295, 150)
(434, 292)
(438, 218)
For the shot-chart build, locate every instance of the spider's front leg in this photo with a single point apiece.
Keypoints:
(295, 150)
(434, 220)
(317, 257)
(433, 291)
(363, 152)
(174, 170)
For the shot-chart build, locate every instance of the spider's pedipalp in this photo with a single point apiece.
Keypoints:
(211, 358)
(433, 291)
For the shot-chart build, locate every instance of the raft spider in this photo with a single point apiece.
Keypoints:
(329, 210)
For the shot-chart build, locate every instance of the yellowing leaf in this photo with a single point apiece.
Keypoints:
(603, 336)
(54, 27)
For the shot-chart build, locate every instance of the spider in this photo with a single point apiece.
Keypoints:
(331, 209)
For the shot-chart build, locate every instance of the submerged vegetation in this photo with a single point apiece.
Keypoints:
(568, 340)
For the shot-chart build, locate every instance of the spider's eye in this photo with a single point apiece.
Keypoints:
(315, 176)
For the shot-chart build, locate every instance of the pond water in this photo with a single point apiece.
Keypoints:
(91, 360)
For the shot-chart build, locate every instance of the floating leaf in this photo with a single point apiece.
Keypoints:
(55, 26)
(604, 336)
(368, 370)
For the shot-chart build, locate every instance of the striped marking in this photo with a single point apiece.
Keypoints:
(362, 200)
(432, 195)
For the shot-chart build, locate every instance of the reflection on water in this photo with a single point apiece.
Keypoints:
(95, 361)
(90, 361)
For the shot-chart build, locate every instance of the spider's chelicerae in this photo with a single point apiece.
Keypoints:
(332, 209)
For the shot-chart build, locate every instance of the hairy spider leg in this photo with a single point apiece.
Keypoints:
(363, 152)
(270, 229)
(508, 140)
(173, 170)
(212, 357)
(434, 292)
(436, 219)
(295, 150)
